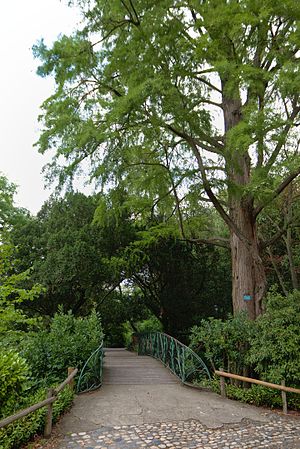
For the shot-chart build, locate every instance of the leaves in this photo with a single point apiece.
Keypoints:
(275, 354)
(14, 373)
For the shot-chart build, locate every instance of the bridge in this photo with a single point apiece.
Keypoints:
(142, 404)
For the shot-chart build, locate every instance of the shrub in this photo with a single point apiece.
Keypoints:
(275, 347)
(69, 342)
(21, 431)
(151, 324)
(13, 379)
(268, 346)
(257, 395)
(224, 344)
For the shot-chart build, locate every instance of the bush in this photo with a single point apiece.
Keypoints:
(257, 395)
(151, 324)
(268, 346)
(21, 431)
(13, 379)
(224, 344)
(69, 342)
(275, 347)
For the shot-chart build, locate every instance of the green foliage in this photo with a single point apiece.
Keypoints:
(152, 78)
(62, 239)
(268, 347)
(256, 395)
(275, 348)
(179, 104)
(13, 293)
(151, 324)
(7, 209)
(68, 343)
(180, 283)
(13, 288)
(118, 310)
(21, 431)
(14, 373)
(225, 344)
(10, 215)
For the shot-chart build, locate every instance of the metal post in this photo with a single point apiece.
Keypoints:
(48, 423)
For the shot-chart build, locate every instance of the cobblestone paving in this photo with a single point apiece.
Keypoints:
(279, 433)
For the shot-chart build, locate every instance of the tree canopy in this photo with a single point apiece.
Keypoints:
(182, 102)
(66, 254)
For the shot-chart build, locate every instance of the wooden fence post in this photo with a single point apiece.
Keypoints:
(71, 383)
(284, 400)
(48, 424)
(222, 385)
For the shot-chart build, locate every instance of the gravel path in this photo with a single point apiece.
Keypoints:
(278, 433)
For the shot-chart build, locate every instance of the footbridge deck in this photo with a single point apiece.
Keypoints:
(122, 367)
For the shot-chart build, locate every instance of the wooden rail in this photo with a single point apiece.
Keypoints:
(52, 396)
(281, 387)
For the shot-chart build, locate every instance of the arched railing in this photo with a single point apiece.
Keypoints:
(180, 359)
(90, 377)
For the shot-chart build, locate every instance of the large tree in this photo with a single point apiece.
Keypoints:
(177, 99)
(12, 290)
(66, 253)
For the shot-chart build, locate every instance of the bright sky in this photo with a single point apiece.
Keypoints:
(22, 23)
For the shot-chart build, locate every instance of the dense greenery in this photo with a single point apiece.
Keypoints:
(180, 283)
(65, 252)
(68, 342)
(275, 349)
(186, 114)
(14, 380)
(182, 104)
(14, 435)
(121, 266)
(36, 350)
(267, 348)
(45, 356)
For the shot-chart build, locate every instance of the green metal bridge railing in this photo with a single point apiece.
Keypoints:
(90, 377)
(180, 359)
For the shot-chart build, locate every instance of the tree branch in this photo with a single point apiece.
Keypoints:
(277, 192)
(280, 279)
(282, 141)
(208, 83)
(110, 291)
(207, 187)
(177, 201)
(216, 241)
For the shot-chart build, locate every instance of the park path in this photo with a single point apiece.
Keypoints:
(142, 405)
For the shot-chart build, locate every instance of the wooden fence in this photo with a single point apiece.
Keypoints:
(51, 397)
(281, 387)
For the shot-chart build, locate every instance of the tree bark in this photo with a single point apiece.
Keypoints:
(248, 275)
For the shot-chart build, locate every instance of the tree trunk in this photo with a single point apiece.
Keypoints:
(248, 275)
